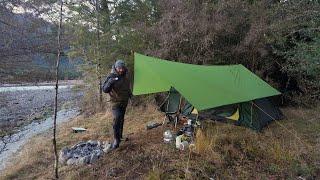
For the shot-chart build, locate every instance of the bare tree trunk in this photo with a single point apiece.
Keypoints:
(98, 56)
(56, 97)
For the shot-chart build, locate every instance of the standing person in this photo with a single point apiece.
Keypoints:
(118, 86)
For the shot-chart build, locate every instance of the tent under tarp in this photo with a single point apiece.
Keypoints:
(203, 87)
(254, 114)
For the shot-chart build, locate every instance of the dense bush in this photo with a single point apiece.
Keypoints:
(277, 40)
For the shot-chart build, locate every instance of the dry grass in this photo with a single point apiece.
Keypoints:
(274, 153)
(222, 151)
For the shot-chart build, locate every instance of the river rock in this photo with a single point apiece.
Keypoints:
(93, 158)
(72, 161)
(82, 153)
(100, 153)
(64, 155)
(84, 160)
(107, 147)
(93, 143)
(80, 144)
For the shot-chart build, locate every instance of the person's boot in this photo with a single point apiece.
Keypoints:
(115, 144)
(121, 135)
(123, 138)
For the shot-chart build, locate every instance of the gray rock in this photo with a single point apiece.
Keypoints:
(81, 144)
(151, 125)
(64, 150)
(99, 154)
(93, 143)
(64, 155)
(62, 159)
(93, 158)
(84, 160)
(84, 152)
(107, 147)
(72, 161)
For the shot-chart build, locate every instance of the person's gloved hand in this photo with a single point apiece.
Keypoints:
(112, 80)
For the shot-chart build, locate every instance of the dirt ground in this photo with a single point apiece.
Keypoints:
(222, 151)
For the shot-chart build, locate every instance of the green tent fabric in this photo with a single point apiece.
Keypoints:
(203, 86)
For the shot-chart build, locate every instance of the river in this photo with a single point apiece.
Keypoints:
(26, 111)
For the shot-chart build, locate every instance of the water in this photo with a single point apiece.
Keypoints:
(35, 128)
(30, 88)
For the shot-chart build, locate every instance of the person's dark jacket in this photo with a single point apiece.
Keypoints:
(118, 87)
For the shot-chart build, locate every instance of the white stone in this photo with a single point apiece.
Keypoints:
(92, 142)
(84, 160)
(107, 147)
(72, 161)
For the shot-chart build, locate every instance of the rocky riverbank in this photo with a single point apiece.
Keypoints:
(21, 105)
(26, 110)
(9, 145)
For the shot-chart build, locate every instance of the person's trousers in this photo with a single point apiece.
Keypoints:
(118, 112)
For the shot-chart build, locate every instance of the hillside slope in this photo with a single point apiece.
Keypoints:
(223, 151)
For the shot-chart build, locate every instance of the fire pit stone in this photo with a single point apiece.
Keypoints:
(83, 153)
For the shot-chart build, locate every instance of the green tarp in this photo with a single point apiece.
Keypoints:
(203, 86)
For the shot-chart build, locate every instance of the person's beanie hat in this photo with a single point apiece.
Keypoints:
(120, 64)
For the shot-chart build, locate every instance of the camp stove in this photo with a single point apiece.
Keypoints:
(188, 129)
